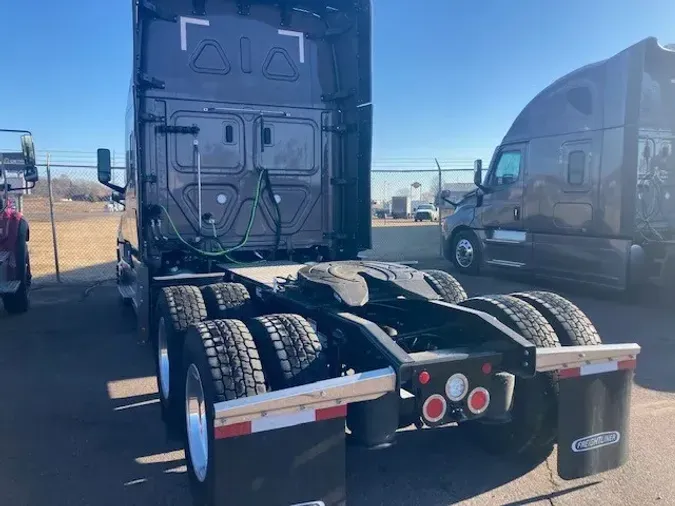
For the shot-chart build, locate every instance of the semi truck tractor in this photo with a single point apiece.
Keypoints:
(582, 187)
(247, 203)
(15, 274)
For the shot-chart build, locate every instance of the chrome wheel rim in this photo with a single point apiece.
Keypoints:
(163, 359)
(197, 429)
(464, 253)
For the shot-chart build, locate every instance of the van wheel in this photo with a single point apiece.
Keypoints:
(466, 253)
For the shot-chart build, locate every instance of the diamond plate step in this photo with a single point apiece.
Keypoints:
(9, 286)
(4, 256)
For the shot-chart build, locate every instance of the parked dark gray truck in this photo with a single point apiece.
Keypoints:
(582, 186)
(247, 202)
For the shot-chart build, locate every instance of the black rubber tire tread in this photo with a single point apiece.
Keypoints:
(290, 349)
(570, 323)
(518, 316)
(185, 306)
(227, 300)
(236, 368)
(532, 430)
(446, 286)
(181, 306)
(229, 367)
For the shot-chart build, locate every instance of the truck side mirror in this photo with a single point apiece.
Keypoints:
(103, 166)
(478, 173)
(30, 174)
(28, 150)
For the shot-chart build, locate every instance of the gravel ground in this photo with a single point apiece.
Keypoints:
(81, 420)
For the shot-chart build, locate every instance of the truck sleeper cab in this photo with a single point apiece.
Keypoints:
(580, 187)
(247, 202)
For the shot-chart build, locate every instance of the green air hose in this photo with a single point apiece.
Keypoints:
(223, 253)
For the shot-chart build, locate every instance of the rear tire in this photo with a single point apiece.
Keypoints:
(290, 349)
(221, 362)
(227, 300)
(19, 301)
(178, 307)
(530, 429)
(570, 323)
(446, 286)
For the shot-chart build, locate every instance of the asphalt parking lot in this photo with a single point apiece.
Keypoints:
(80, 421)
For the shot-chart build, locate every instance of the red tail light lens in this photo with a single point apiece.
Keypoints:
(478, 400)
(434, 408)
(424, 377)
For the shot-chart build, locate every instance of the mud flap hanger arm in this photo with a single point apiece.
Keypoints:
(569, 357)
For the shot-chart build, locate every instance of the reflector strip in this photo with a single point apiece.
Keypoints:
(279, 422)
(600, 368)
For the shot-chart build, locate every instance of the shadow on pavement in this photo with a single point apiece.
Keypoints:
(80, 422)
(77, 276)
(549, 497)
(437, 467)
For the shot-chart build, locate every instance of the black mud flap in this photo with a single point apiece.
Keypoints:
(300, 465)
(593, 419)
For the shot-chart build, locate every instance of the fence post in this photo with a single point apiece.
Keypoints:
(438, 204)
(51, 217)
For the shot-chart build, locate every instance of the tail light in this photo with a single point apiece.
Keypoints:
(434, 408)
(478, 400)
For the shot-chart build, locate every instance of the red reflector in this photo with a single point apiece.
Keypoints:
(479, 398)
(487, 368)
(574, 372)
(434, 408)
(627, 364)
(329, 413)
(234, 430)
(424, 377)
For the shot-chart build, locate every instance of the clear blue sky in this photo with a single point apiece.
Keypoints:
(449, 77)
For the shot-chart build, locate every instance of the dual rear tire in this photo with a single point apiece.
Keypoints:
(547, 320)
(203, 361)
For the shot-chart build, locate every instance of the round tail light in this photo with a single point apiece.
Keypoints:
(434, 408)
(479, 400)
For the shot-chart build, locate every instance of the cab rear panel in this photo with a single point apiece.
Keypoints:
(244, 88)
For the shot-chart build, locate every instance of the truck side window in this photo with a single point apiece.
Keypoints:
(507, 170)
(576, 168)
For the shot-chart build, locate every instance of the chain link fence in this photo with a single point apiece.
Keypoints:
(74, 224)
